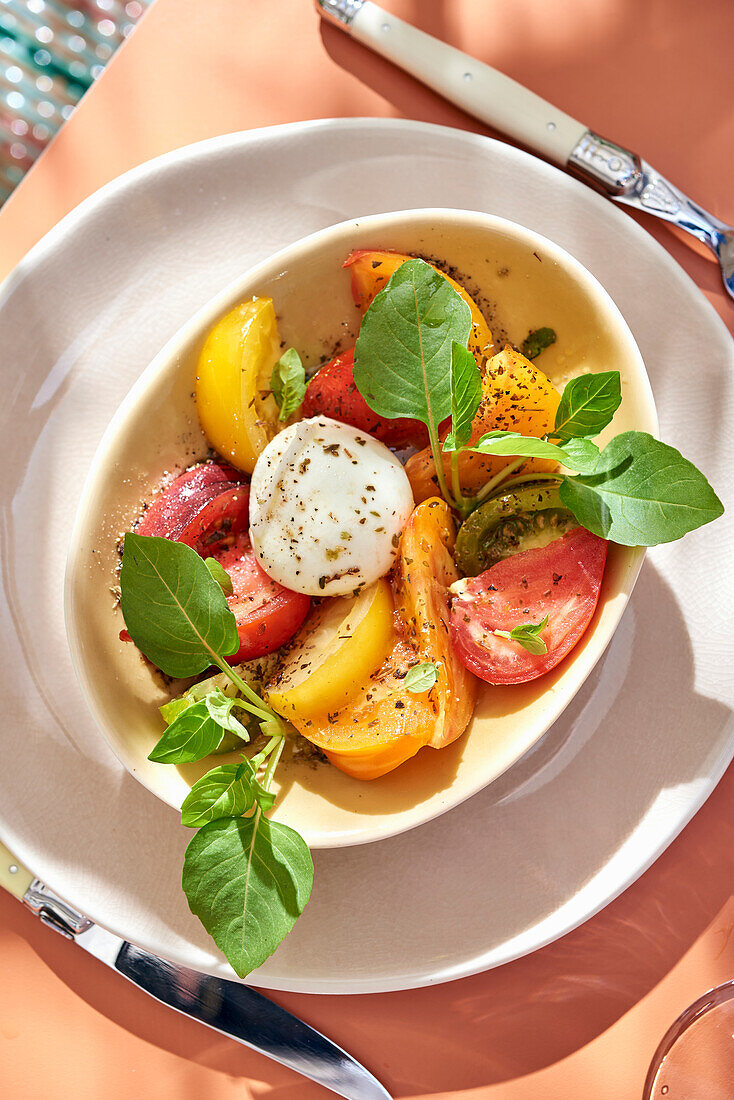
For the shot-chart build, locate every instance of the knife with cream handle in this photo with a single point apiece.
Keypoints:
(231, 1008)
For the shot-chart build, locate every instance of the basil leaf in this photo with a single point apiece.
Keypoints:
(466, 393)
(174, 610)
(402, 358)
(588, 404)
(581, 454)
(191, 736)
(528, 636)
(288, 382)
(536, 341)
(583, 457)
(223, 792)
(512, 443)
(264, 799)
(221, 576)
(642, 492)
(220, 707)
(247, 880)
(421, 677)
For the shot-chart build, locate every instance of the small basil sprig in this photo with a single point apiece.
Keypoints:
(198, 730)
(527, 635)
(421, 677)
(404, 353)
(636, 492)
(411, 360)
(193, 735)
(288, 383)
(246, 878)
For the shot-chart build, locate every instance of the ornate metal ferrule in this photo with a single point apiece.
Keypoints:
(54, 912)
(611, 166)
(341, 12)
(631, 181)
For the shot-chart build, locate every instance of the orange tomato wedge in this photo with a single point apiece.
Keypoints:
(425, 570)
(385, 724)
(517, 397)
(371, 270)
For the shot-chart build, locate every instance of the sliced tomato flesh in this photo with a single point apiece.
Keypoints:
(561, 580)
(206, 507)
(333, 392)
(267, 614)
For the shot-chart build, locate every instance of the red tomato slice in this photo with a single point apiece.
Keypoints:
(267, 614)
(332, 392)
(205, 507)
(561, 580)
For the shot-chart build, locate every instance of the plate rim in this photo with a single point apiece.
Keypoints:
(132, 177)
(206, 145)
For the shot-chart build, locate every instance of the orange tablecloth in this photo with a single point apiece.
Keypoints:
(582, 1017)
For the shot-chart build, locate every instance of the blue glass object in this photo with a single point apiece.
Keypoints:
(51, 51)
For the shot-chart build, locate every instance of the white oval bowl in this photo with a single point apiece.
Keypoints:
(525, 281)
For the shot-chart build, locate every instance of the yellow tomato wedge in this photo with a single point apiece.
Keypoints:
(370, 272)
(338, 648)
(516, 397)
(384, 723)
(382, 726)
(237, 411)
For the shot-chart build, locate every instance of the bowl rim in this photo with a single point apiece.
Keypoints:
(204, 317)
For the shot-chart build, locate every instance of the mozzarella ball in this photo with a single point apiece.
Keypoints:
(327, 506)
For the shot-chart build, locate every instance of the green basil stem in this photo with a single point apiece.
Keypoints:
(525, 478)
(472, 502)
(438, 462)
(266, 781)
(255, 703)
(459, 498)
(272, 764)
(258, 759)
(496, 480)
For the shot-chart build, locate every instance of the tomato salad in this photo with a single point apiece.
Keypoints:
(424, 518)
(354, 599)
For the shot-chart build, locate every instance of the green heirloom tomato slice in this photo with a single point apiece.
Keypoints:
(526, 519)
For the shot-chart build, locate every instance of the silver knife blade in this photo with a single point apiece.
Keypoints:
(229, 1007)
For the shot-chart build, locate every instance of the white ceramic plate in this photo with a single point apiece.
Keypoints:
(612, 782)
